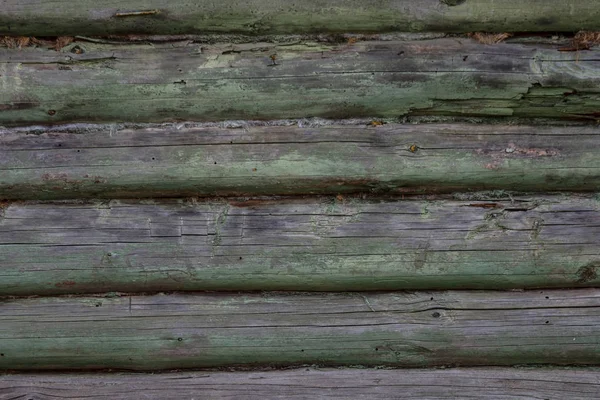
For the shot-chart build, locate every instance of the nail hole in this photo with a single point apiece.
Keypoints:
(436, 314)
(302, 350)
(547, 297)
(215, 163)
(77, 50)
(180, 339)
(1, 354)
(547, 322)
(240, 258)
(51, 112)
(401, 53)
(465, 58)
(153, 158)
(431, 298)
(376, 348)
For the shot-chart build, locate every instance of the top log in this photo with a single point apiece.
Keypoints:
(101, 17)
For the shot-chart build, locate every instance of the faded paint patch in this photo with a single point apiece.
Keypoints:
(513, 149)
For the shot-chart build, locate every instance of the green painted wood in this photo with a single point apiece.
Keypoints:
(396, 329)
(389, 79)
(324, 244)
(312, 383)
(116, 162)
(100, 17)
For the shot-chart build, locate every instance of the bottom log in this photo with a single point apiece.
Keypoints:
(308, 383)
(419, 329)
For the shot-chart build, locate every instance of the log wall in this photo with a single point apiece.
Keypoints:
(314, 199)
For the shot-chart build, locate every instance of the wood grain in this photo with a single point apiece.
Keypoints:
(338, 244)
(311, 383)
(174, 81)
(108, 161)
(100, 17)
(212, 330)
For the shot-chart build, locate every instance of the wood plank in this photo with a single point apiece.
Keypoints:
(312, 383)
(299, 244)
(174, 81)
(108, 161)
(417, 329)
(38, 17)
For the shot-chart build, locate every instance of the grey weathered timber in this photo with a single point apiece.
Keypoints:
(310, 383)
(111, 162)
(417, 329)
(100, 17)
(158, 82)
(335, 244)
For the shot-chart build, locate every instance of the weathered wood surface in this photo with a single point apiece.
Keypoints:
(310, 383)
(111, 162)
(304, 244)
(99, 17)
(212, 330)
(389, 79)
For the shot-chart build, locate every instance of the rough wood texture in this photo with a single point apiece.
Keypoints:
(400, 329)
(109, 162)
(305, 244)
(310, 383)
(389, 79)
(99, 17)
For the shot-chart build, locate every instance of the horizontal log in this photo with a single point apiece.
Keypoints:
(481, 383)
(333, 244)
(157, 82)
(38, 17)
(108, 162)
(214, 330)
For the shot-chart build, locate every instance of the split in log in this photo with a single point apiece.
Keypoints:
(212, 330)
(101, 17)
(386, 79)
(328, 244)
(175, 161)
(310, 383)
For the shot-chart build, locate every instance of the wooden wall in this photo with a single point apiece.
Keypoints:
(265, 199)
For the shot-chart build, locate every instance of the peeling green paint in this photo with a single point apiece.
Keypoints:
(393, 79)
